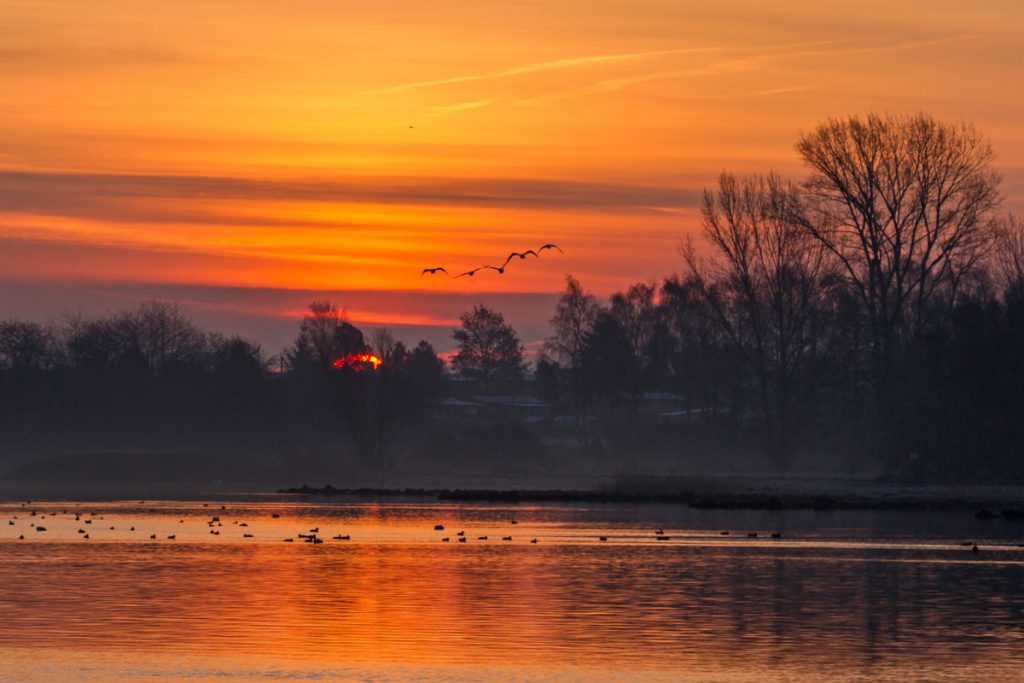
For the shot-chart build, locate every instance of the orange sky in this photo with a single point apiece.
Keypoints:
(243, 157)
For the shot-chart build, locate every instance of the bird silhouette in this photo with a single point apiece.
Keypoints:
(434, 271)
(549, 246)
(521, 254)
(471, 273)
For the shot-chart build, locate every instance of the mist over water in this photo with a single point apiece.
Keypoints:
(848, 596)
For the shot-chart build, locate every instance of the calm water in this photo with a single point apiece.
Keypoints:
(840, 597)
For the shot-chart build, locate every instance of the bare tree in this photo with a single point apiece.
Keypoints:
(26, 347)
(1009, 256)
(383, 344)
(489, 349)
(575, 313)
(765, 284)
(906, 205)
(574, 318)
(325, 335)
(164, 334)
(637, 312)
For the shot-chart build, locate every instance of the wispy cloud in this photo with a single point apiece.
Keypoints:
(737, 64)
(783, 91)
(107, 195)
(552, 65)
(463, 106)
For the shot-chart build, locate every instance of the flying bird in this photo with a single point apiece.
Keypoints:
(522, 255)
(549, 246)
(434, 271)
(471, 273)
(501, 270)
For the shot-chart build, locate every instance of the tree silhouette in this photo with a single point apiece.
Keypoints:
(905, 204)
(766, 285)
(489, 349)
(574, 318)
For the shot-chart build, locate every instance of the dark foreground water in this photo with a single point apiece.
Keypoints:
(840, 597)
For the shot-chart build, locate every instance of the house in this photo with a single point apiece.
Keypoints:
(518, 407)
(492, 408)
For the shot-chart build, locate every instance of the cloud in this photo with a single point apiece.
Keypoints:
(783, 91)
(566, 63)
(735, 64)
(462, 106)
(50, 56)
(113, 196)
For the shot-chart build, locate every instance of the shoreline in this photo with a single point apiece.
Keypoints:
(1009, 508)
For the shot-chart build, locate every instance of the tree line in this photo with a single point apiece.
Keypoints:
(873, 310)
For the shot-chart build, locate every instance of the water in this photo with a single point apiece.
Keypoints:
(842, 596)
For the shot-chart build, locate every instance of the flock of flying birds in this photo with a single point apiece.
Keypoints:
(521, 255)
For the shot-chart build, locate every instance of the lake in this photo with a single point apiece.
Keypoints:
(841, 596)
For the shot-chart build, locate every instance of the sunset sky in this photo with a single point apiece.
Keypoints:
(246, 157)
